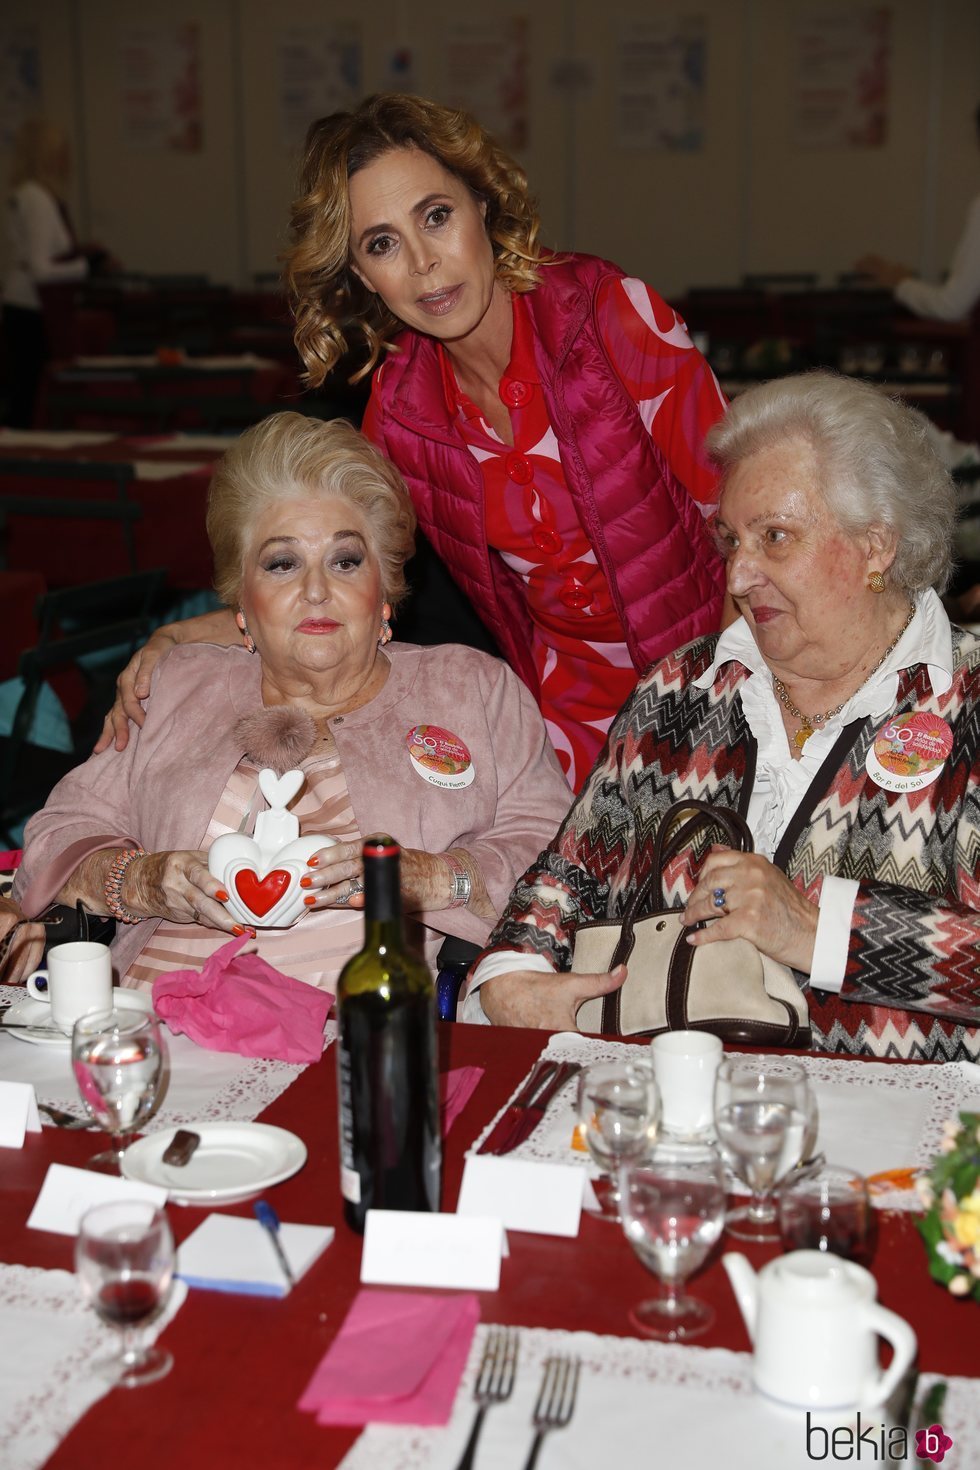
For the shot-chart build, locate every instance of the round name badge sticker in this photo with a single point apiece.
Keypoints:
(440, 757)
(909, 752)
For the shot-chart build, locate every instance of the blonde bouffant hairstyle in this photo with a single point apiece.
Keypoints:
(335, 312)
(289, 456)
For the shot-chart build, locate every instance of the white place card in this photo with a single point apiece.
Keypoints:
(542, 1199)
(18, 1113)
(233, 1254)
(412, 1248)
(67, 1193)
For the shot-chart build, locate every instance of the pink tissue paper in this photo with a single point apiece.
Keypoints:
(455, 1090)
(238, 1003)
(397, 1359)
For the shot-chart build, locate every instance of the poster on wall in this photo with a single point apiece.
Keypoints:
(843, 63)
(160, 86)
(660, 82)
(486, 72)
(20, 78)
(320, 70)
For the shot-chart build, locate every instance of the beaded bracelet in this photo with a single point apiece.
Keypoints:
(114, 883)
(461, 884)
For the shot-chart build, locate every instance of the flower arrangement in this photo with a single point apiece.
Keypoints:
(950, 1193)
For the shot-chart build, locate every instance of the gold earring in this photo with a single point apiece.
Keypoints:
(876, 582)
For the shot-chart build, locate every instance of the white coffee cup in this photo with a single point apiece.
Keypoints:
(78, 979)
(685, 1063)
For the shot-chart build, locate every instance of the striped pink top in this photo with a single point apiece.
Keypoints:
(317, 946)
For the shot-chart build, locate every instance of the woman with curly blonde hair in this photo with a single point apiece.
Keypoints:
(546, 411)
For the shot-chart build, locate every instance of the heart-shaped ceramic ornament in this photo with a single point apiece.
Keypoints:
(261, 874)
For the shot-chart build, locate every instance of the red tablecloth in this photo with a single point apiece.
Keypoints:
(242, 1362)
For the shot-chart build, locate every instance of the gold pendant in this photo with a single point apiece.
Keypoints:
(802, 735)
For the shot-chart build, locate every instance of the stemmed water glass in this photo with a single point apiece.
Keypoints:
(618, 1109)
(124, 1258)
(673, 1210)
(761, 1115)
(117, 1057)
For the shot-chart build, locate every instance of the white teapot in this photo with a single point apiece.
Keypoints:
(262, 873)
(814, 1323)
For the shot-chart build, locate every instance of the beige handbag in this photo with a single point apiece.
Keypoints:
(728, 988)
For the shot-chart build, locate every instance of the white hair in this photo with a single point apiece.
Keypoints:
(876, 464)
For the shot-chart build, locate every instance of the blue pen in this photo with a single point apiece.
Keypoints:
(269, 1221)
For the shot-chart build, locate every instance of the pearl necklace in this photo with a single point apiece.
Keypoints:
(807, 722)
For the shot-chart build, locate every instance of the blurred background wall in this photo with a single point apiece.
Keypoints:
(738, 173)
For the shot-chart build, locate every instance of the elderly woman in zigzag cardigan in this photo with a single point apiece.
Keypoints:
(840, 715)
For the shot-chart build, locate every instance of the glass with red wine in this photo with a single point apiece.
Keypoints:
(124, 1260)
(118, 1059)
(828, 1211)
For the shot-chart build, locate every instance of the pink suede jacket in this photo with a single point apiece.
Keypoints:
(161, 791)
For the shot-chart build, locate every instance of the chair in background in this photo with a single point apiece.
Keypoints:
(66, 520)
(89, 632)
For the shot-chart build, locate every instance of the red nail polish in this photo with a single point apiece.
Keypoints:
(306, 883)
(221, 896)
(310, 899)
(250, 933)
(237, 930)
(313, 862)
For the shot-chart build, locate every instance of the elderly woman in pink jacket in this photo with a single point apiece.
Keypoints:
(443, 747)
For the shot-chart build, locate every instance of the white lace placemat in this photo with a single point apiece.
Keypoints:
(644, 1403)
(203, 1086)
(874, 1116)
(53, 1364)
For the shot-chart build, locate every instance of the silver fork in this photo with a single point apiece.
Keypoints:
(494, 1383)
(556, 1401)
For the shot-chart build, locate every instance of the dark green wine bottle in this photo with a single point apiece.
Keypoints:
(387, 1065)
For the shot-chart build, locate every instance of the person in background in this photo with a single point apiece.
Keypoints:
(42, 250)
(442, 747)
(840, 715)
(547, 411)
(958, 294)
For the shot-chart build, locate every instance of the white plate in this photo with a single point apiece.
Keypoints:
(232, 1162)
(37, 1015)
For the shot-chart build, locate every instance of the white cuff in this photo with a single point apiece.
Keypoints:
(837, 897)
(500, 962)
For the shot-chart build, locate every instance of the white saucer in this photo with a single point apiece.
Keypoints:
(37, 1015)
(232, 1162)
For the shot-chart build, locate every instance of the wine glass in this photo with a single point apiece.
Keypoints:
(828, 1211)
(117, 1057)
(124, 1258)
(673, 1210)
(761, 1121)
(618, 1109)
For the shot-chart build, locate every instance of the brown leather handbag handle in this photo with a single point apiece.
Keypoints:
(667, 845)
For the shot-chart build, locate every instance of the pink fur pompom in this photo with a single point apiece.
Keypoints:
(279, 737)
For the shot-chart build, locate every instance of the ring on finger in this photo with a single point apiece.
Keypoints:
(356, 887)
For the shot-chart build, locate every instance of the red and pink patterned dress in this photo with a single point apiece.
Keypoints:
(579, 643)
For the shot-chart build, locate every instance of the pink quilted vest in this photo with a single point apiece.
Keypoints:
(648, 535)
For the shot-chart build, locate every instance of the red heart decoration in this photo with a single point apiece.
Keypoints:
(262, 894)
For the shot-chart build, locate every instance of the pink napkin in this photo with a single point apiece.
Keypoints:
(455, 1090)
(397, 1359)
(239, 1003)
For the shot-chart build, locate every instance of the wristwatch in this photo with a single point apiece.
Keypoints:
(460, 886)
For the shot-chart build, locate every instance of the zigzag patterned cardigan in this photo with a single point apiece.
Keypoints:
(912, 986)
